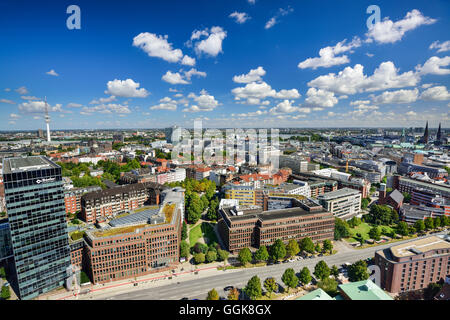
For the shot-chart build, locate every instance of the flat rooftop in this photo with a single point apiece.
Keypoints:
(338, 193)
(419, 246)
(139, 216)
(23, 164)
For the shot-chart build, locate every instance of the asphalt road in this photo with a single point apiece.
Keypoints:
(198, 288)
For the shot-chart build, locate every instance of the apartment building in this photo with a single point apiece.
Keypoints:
(343, 203)
(72, 198)
(414, 265)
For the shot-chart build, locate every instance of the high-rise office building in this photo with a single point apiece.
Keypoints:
(37, 218)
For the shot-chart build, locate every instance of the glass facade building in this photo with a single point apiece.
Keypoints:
(5, 240)
(37, 218)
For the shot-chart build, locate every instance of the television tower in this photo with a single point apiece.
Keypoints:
(47, 120)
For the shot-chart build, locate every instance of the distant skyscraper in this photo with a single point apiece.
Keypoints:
(425, 137)
(37, 218)
(168, 132)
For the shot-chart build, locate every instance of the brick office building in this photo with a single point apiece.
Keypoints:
(414, 265)
(72, 198)
(252, 227)
(149, 244)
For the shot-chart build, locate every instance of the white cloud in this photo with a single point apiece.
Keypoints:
(438, 93)
(157, 46)
(387, 31)
(194, 72)
(442, 47)
(126, 88)
(284, 106)
(204, 102)
(327, 56)
(262, 90)
(399, 96)
(166, 103)
(74, 105)
(411, 114)
(353, 80)
(22, 90)
(103, 100)
(30, 98)
(240, 17)
(434, 66)
(359, 102)
(7, 101)
(251, 1)
(370, 55)
(106, 109)
(14, 116)
(52, 73)
(252, 76)
(188, 61)
(274, 20)
(320, 98)
(174, 78)
(212, 45)
(38, 107)
(304, 110)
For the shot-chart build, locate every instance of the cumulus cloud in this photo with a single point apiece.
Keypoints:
(52, 73)
(353, 80)
(166, 103)
(435, 65)
(74, 105)
(38, 107)
(438, 93)
(263, 90)
(284, 106)
(14, 116)
(387, 31)
(106, 109)
(328, 55)
(126, 88)
(212, 44)
(320, 98)
(179, 78)
(442, 47)
(399, 96)
(158, 46)
(203, 102)
(240, 17)
(22, 90)
(103, 100)
(252, 76)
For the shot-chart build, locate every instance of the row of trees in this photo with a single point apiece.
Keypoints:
(203, 253)
(278, 250)
(253, 289)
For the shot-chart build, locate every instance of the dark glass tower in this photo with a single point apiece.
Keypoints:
(37, 218)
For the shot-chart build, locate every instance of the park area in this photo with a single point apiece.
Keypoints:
(363, 228)
(202, 232)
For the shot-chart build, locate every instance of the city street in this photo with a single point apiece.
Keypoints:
(197, 288)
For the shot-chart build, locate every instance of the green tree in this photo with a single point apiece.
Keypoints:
(429, 223)
(222, 255)
(334, 271)
(436, 222)
(262, 254)
(406, 197)
(233, 294)
(419, 225)
(211, 256)
(277, 250)
(292, 248)
(2, 273)
(199, 258)
(289, 278)
(305, 276)
(318, 248)
(364, 203)
(6, 294)
(307, 245)
(212, 295)
(184, 232)
(358, 271)
(375, 233)
(341, 229)
(184, 249)
(253, 289)
(270, 285)
(245, 256)
(321, 270)
(445, 221)
(329, 285)
(327, 246)
(402, 228)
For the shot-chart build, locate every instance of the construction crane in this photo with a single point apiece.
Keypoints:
(346, 164)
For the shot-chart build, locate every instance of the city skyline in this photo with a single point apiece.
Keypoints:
(168, 63)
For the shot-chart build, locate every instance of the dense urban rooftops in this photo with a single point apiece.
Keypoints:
(338, 193)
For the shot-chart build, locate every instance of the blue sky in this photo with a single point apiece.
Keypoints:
(131, 65)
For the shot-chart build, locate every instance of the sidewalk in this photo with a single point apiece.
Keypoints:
(151, 280)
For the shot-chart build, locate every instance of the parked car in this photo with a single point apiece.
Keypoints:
(291, 260)
(227, 288)
(184, 298)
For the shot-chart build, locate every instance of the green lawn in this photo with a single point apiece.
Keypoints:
(204, 230)
(363, 229)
